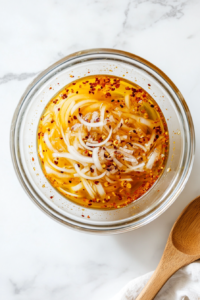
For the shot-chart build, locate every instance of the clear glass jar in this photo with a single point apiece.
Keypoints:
(24, 141)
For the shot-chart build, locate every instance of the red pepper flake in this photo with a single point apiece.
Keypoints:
(127, 88)
(108, 95)
(88, 217)
(82, 216)
(58, 109)
(50, 88)
(55, 162)
(51, 197)
(96, 182)
(64, 96)
(91, 170)
(149, 84)
(33, 159)
(52, 121)
(71, 76)
(75, 118)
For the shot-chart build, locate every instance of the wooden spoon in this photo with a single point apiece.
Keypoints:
(183, 247)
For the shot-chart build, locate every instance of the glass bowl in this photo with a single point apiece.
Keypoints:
(24, 141)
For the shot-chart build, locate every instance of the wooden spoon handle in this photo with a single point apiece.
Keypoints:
(154, 284)
(171, 261)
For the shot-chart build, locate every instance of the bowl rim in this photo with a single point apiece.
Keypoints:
(74, 224)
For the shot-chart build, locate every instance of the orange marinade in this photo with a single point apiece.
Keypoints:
(102, 142)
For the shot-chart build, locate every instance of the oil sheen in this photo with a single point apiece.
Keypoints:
(103, 142)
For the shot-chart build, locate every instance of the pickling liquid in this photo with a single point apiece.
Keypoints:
(103, 142)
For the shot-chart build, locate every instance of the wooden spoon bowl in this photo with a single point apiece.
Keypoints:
(182, 248)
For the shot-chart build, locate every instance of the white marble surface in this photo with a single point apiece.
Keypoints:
(40, 259)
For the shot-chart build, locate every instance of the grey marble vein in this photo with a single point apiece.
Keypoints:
(11, 76)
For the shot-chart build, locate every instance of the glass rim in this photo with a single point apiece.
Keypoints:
(102, 229)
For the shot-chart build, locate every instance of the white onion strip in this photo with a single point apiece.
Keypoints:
(82, 142)
(126, 150)
(98, 124)
(59, 175)
(81, 104)
(101, 190)
(147, 122)
(109, 180)
(96, 159)
(88, 177)
(118, 163)
(68, 193)
(78, 156)
(127, 101)
(139, 146)
(150, 142)
(102, 112)
(118, 126)
(59, 168)
(138, 168)
(88, 188)
(48, 143)
(102, 143)
(131, 159)
(77, 187)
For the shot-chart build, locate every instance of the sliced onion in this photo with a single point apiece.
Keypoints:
(102, 114)
(51, 171)
(153, 158)
(118, 126)
(88, 188)
(150, 142)
(95, 114)
(59, 168)
(126, 179)
(81, 104)
(102, 143)
(40, 151)
(65, 137)
(88, 177)
(138, 168)
(84, 170)
(82, 142)
(68, 193)
(109, 180)
(75, 126)
(139, 146)
(68, 112)
(118, 163)
(147, 122)
(63, 155)
(96, 159)
(68, 156)
(47, 118)
(107, 128)
(131, 159)
(101, 190)
(77, 187)
(98, 124)
(48, 143)
(126, 150)
(127, 101)
(78, 156)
